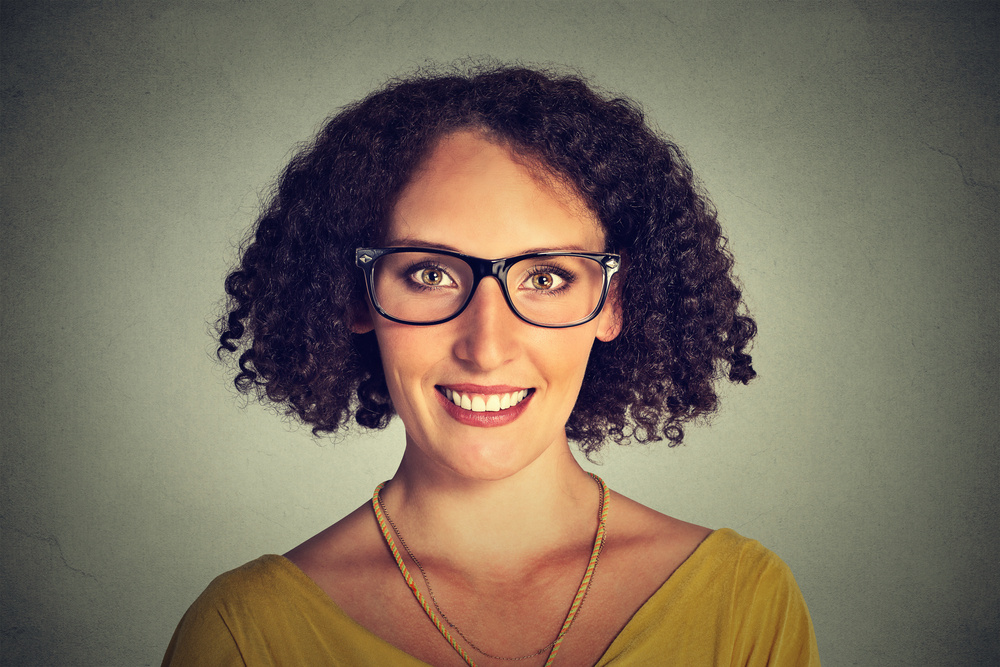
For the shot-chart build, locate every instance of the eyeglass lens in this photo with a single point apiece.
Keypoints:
(423, 286)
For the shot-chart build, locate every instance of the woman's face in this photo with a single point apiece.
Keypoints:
(471, 196)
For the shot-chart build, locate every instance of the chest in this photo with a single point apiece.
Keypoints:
(508, 619)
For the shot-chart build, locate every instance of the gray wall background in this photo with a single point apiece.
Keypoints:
(851, 148)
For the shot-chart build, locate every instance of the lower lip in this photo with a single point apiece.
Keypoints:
(484, 419)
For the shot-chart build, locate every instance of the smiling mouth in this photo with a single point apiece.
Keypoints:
(485, 402)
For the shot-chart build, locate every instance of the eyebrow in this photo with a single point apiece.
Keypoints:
(418, 243)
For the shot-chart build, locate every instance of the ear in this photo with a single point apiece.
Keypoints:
(359, 319)
(609, 322)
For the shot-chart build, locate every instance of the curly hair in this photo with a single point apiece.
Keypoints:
(292, 296)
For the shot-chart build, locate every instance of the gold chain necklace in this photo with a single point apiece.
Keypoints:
(384, 522)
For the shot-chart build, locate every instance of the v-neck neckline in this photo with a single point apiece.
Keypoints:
(651, 603)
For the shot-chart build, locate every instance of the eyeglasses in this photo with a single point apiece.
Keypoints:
(425, 286)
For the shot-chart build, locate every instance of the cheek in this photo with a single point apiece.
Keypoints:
(407, 353)
(564, 357)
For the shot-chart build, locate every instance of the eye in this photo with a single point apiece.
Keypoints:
(544, 281)
(430, 276)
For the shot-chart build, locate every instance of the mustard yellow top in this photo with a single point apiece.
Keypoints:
(732, 602)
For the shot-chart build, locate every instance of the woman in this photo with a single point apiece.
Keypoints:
(508, 261)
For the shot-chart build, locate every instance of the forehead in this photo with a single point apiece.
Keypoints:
(482, 198)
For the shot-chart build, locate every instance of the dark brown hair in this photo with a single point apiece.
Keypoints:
(296, 285)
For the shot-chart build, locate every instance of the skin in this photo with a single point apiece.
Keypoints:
(496, 508)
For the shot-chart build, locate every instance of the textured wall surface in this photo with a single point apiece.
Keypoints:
(851, 148)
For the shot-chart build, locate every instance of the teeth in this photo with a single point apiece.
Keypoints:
(486, 402)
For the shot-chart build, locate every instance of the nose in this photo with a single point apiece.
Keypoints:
(486, 329)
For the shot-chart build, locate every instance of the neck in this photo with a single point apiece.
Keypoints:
(504, 524)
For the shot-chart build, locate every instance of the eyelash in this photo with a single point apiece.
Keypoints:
(409, 271)
(563, 274)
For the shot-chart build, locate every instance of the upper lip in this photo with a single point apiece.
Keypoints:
(468, 388)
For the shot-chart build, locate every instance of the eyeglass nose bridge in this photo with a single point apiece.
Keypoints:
(489, 268)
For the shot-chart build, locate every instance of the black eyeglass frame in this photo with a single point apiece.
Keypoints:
(365, 258)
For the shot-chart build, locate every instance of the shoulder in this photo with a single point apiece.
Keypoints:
(744, 564)
(269, 612)
(215, 627)
(650, 541)
(652, 545)
(731, 601)
(347, 560)
(755, 597)
(642, 550)
(253, 584)
(254, 594)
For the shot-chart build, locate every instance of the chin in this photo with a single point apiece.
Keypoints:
(494, 458)
(486, 462)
